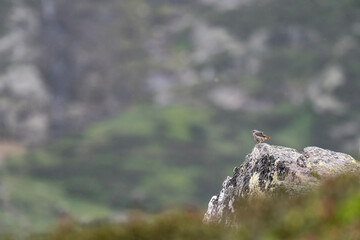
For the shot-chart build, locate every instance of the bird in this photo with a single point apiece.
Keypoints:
(259, 136)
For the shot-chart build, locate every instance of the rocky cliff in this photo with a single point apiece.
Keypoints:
(67, 64)
(270, 167)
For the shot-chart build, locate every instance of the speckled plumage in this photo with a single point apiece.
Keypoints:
(259, 136)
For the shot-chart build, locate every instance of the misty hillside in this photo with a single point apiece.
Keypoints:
(234, 56)
(148, 104)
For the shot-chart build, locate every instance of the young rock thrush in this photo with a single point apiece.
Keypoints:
(259, 136)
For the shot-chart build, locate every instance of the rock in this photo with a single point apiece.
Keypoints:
(24, 105)
(270, 167)
(24, 96)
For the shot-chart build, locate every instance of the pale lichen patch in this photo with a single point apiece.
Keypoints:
(231, 205)
(254, 181)
(267, 183)
(276, 162)
(254, 187)
(275, 177)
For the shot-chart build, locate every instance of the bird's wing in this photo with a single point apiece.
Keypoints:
(260, 134)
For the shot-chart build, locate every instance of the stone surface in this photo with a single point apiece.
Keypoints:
(270, 167)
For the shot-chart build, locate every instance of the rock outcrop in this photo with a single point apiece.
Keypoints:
(270, 167)
(24, 96)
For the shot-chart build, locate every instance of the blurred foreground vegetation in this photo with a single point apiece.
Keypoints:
(330, 212)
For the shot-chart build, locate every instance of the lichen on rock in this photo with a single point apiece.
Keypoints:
(270, 167)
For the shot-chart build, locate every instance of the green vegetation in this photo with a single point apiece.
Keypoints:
(150, 157)
(330, 212)
(147, 158)
(34, 205)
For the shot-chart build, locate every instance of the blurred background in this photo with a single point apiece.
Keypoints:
(111, 106)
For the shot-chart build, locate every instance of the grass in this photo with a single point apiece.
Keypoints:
(330, 212)
(35, 205)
